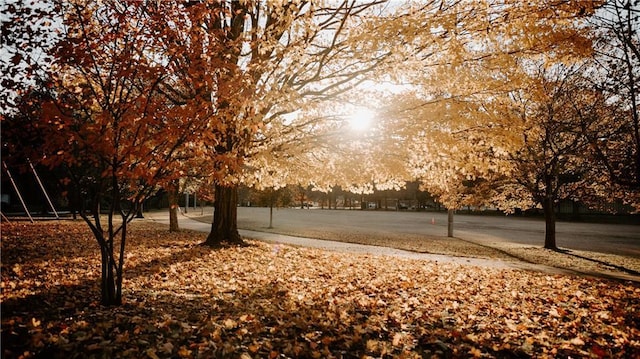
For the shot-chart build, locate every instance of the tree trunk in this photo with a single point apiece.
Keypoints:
(302, 198)
(74, 203)
(110, 293)
(224, 228)
(173, 207)
(550, 223)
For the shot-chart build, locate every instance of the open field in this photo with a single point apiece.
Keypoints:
(267, 301)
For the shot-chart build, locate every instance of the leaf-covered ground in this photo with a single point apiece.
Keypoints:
(274, 301)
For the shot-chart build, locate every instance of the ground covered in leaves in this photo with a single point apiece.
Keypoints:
(273, 301)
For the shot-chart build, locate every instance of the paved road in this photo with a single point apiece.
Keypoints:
(244, 215)
(603, 238)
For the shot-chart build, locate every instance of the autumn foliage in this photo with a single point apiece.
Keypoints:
(268, 301)
(139, 94)
(106, 123)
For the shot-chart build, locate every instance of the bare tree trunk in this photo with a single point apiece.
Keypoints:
(302, 197)
(74, 203)
(107, 284)
(550, 223)
(173, 206)
(450, 222)
(224, 228)
(120, 267)
(111, 277)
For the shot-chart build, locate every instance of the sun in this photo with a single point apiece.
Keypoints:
(361, 118)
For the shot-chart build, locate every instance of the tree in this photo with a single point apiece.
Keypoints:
(173, 190)
(106, 124)
(262, 69)
(255, 64)
(459, 127)
(617, 76)
(21, 141)
(552, 162)
(28, 31)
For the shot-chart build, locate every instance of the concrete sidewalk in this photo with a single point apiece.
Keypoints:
(187, 223)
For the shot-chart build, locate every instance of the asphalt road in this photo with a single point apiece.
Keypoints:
(604, 238)
(253, 214)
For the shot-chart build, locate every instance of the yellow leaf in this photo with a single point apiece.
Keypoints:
(184, 352)
(577, 341)
(151, 353)
(476, 352)
(396, 339)
(167, 347)
(230, 324)
(372, 345)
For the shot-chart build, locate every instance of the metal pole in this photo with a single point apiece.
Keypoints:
(449, 222)
(186, 202)
(271, 215)
(43, 190)
(17, 191)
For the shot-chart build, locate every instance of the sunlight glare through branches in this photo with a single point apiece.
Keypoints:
(361, 118)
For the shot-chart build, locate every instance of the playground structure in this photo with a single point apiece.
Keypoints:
(17, 191)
